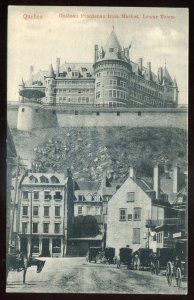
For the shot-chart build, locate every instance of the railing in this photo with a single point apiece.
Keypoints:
(166, 221)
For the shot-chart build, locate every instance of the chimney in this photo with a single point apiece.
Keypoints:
(31, 74)
(140, 64)
(149, 69)
(95, 53)
(175, 174)
(156, 189)
(131, 172)
(160, 75)
(57, 66)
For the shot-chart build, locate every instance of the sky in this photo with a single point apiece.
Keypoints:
(37, 35)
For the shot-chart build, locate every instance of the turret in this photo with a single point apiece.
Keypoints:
(50, 86)
(51, 71)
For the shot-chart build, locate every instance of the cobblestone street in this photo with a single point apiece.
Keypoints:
(75, 275)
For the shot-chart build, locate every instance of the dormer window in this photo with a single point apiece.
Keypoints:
(111, 49)
(54, 179)
(44, 179)
(33, 179)
(81, 198)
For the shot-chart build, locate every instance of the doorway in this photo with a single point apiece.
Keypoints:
(45, 248)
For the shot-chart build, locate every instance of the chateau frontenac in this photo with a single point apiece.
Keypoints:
(113, 80)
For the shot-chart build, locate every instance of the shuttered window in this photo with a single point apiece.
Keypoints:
(136, 235)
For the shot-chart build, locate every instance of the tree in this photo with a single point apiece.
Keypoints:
(84, 226)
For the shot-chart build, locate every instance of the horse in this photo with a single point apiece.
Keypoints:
(21, 263)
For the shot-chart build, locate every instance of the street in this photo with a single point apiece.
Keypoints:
(75, 275)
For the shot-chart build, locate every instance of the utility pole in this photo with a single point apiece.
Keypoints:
(30, 223)
(15, 197)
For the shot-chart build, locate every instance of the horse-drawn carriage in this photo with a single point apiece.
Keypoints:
(125, 257)
(142, 258)
(160, 258)
(177, 266)
(94, 254)
(109, 254)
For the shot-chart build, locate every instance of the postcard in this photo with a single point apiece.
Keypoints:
(97, 169)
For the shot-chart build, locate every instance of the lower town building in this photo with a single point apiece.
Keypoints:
(133, 209)
(42, 215)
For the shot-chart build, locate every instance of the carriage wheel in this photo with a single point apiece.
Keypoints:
(169, 273)
(178, 277)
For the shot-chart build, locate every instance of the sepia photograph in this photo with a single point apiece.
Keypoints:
(97, 150)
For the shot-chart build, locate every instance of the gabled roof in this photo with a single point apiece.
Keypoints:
(88, 185)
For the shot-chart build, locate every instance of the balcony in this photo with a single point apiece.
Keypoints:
(160, 222)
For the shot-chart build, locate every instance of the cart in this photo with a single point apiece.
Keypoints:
(160, 259)
(177, 267)
(93, 254)
(125, 257)
(109, 255)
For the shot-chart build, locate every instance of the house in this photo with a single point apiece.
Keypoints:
(90, 199)
(132, 209)
(42, 214)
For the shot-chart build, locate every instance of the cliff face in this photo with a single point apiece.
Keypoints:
(91, 151)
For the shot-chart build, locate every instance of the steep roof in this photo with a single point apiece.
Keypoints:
(51, 71)
(88, 185)
(167, 76)
(113, 42)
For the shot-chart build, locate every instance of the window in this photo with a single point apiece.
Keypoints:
(57, 211)
(43, 179)
(79, 210)
(54, 179)
(36, 195)
(33, 179)
(137, 214)
(25, 195)
(25, 211)
(47, 195)
(35, 227)
(136, 235)
(130, 197)
(58, 196)
(24, 227)
(81, 198)
(46, 211)
(130, 216)
(22, 109)
(123, 212)
(46, 227)
(111, 49)
(57, 228)
(35, 211)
